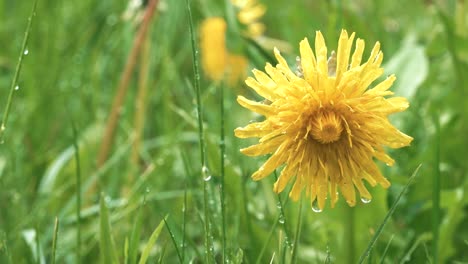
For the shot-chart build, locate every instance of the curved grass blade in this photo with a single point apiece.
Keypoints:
(387, 217)
(173, 240)
(136, 234)
(151, 241)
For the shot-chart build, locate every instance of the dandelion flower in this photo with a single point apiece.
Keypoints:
(324, 122)
(217, 62)
(249, 14)
(213, 47)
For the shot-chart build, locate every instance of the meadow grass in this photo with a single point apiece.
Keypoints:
(171, 185)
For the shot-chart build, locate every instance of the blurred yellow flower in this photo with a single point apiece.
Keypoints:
(213, 47)
(324, 122)
(217, 62)
(249, 14)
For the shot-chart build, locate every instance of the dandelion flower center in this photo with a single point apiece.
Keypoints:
(326, 127)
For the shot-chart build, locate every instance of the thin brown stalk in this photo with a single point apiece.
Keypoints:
(122, 89)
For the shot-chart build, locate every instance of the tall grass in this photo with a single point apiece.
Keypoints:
(180, 190)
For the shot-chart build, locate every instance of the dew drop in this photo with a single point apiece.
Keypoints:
(278, 205)
(260, 216)
(365, 200)
(315, 206)
(2, 128)
(17, 87)
(206, 173)
(281, 219)
(26, 52)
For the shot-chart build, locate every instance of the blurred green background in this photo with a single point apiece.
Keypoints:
(76, 55)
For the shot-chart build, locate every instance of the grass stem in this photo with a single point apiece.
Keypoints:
(387, 217)
(14, 82)
(436, 195)
(222, 147)
(54, 240)
(204, 169)
(78, 191)
(298, 233)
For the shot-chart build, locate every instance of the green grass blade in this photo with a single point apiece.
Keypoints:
(184, 223)
(384, 254)
(222, 150)
(14, 82)
(173, 240)
(4, 252)
(54, 240)
(126, 251)
(78, 191)
(196, 72)
(436, 195)
(135, 235)
(298, 234)
(204, 168)
(387, 217)
(152, 240)
(270, 235)
(106, 241)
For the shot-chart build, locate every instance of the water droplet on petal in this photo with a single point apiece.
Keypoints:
(365, 200)
(315, 207)
(26, 52)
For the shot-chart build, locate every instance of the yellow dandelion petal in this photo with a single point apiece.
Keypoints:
(325, 123)
(263, 148)
(344, 49)
(357, 55)
(256, 107)
(321, 51)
